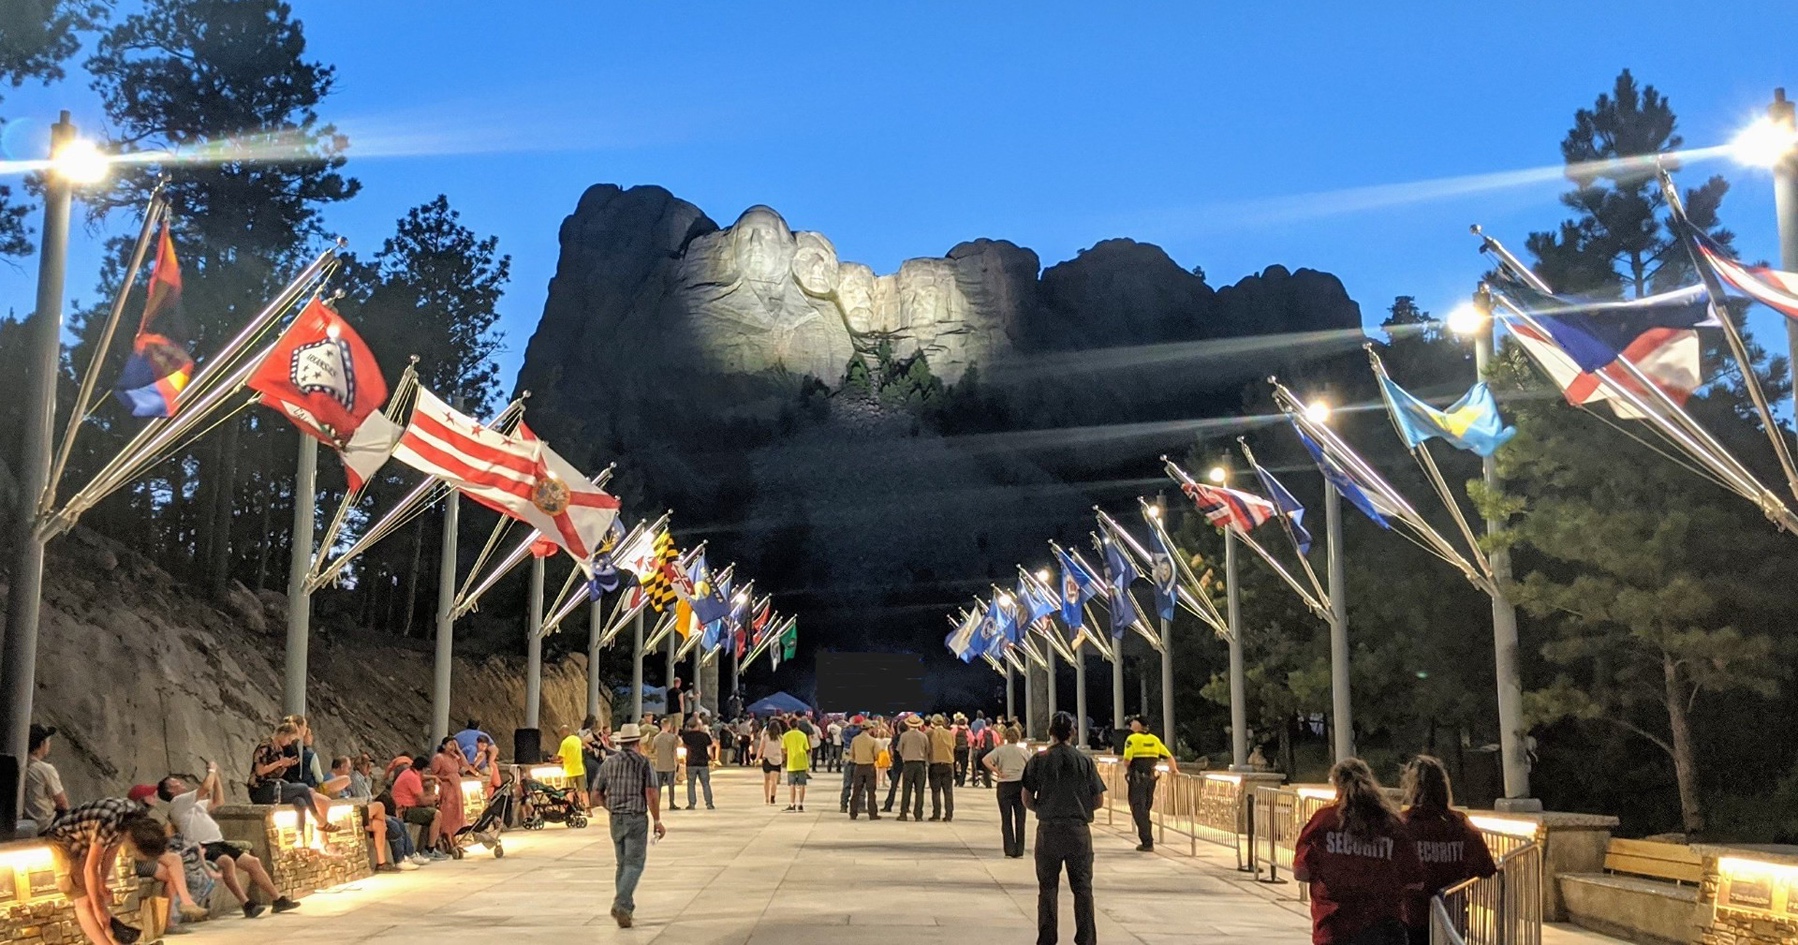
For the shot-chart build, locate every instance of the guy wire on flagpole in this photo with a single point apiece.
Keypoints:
(1737, 346)
(155, 211)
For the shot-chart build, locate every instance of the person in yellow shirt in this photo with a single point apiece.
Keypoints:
(1143, 753)
(573, 765)
(797, 746)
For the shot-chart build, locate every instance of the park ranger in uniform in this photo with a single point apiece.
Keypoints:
(1142, 753)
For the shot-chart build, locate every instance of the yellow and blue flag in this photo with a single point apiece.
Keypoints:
(1471, 423)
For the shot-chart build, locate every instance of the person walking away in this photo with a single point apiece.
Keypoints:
(894, 768)
(664, 751)
(1143, 753)
(1449, 849)
(573, 756)
(883, 758)
(850, 730)
(1006, 762)
(833, 739)
(942, 770)
(1359, 861)
(914, 763)
(701, 752)
(593, 749)
(1062, 787)
(44, 796)
(797, 745)
(982, 739)
(629, 793)
(864, 751)
(964, 746)
(773, 757)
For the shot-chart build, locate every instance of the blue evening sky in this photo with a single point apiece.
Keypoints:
(1358, 138)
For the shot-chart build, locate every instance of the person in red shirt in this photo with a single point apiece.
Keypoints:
(1360, 862)
(1449, 849)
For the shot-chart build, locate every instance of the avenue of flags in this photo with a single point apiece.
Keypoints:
(301, 359)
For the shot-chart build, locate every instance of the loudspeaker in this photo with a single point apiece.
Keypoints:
(527, 746)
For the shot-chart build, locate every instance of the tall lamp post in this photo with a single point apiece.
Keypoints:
(73, 162)
(1772, 143)
(1474, 320)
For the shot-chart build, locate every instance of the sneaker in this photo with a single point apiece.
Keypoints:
(253, 909)
(791, 808)
(418, 859)
(902, 818)
(437, 856)
(1145, 848)
(935, 817)
(387, 868)
(622, 917)
(405, 866)
(284, 904)
(710, 807)
(802, 808)
(948, 817)
(193, 912)
(125, 934)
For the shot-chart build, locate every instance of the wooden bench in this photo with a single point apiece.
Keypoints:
(1647, 894)
(1673, 862)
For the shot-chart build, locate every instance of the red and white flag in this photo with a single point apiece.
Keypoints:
(1774, 288)
(519, 476)
(325, 380)
(1669, 357)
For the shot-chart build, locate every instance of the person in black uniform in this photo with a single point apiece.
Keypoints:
(1062, 787)
(1143, 752)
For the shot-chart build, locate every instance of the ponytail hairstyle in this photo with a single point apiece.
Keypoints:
(1362, 809)
(1426, 787)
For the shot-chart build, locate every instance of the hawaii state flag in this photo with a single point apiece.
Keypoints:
(324, 379)
(159, 366)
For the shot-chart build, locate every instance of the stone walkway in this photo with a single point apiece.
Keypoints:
(749, 874)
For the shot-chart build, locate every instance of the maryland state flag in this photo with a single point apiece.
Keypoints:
(324, 379)
(159, 366)
(658, 582)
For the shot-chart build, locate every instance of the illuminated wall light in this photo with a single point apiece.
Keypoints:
(1219, 776)
(1511, 828)
(28, 858)
(1318, 793)
(1733, 866)
(548, 771)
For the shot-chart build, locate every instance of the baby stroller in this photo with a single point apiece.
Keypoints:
(544, 804)
(487, 828)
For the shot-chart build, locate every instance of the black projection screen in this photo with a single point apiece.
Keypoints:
(883, 683)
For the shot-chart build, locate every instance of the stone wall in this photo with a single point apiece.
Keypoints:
(1747, 897)
(34, 910)
(291, 851)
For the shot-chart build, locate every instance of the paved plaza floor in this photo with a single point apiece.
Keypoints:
(750, 874)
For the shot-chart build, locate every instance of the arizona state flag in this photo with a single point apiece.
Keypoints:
(159, 366)
(325, 380)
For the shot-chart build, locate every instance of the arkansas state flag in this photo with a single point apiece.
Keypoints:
(324, 378)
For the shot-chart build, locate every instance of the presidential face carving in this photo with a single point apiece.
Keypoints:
(815, 264)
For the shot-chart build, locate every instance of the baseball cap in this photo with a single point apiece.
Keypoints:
(142, 793)
(39, 733)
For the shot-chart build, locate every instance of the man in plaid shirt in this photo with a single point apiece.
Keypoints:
(626, 787)
(87, 839)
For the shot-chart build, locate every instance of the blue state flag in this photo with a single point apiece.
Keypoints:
(1471, 423)
(1034, 601)
(1166, 589)
(1289, 507)
(1078, 585)
(1344, 483)
(1120, 572)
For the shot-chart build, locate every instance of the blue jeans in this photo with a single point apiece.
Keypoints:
(699, 775)
(399, 839)
(630, 848)
(848, 781)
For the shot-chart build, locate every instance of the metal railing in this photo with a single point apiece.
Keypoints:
(1502, 909)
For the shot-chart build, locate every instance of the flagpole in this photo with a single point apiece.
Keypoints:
(1239, 696)
(637, 667)
(1342, 735)
(533, 649)
(1080, 694)
(446, 621)
(1117, 689)
(668, 670)
(1513, 734)
(1010, 710)
(1049, 671)
(595, 623)
(299, 565)
(1029, 702)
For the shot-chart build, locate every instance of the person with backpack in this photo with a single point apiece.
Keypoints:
(1360, 862)
(963, 748)
(1450, 850)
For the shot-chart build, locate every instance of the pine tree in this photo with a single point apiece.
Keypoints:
(36, 38)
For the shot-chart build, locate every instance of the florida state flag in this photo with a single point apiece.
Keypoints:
(322, 376)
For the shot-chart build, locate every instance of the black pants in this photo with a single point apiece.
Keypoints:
(861, 791)
(1066, 843)
(961, 766)
(942, 790)
(1011, 816)
(979, 773)
(1142, 800)
(911, 800)
(848, 783)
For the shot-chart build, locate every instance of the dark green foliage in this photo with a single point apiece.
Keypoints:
(36, 38)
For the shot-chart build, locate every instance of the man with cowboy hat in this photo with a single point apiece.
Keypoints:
(963, 747)
(942, 769)
(913, 749)
(626, 788)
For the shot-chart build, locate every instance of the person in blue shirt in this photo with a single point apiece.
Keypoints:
(470, 737)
